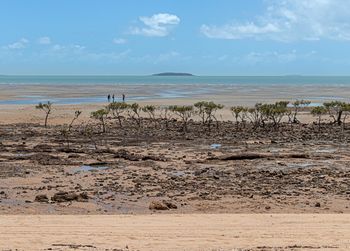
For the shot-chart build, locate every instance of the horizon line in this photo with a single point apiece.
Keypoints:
(153, 75)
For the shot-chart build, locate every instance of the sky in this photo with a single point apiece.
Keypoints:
(203, 37)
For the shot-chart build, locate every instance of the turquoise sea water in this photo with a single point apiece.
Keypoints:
(144, 80)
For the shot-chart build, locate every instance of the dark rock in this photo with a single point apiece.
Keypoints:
(42, 148)
(318, 204)
(169, 204)
(157, 205)
(124, 154)
(42, 198)
(70, 196)
(47, 159)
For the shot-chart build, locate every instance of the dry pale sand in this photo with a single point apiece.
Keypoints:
(63, 114)
(176, 232)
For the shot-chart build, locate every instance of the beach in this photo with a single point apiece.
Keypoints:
(176, 232)
(17, 102)
(20, 94)
(142, 172)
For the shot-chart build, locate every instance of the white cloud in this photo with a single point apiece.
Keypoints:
(238, 31)
(57, 47)
(20, 44)
(291, 20)
(158, 25)
(105, 57)
(69, 48)
(80, 53)
(119, 41)
(44, 40)
(78, 47)
(170, 56)
(254, 58)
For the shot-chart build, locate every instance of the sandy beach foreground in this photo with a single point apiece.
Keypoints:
(154, 184)
(224, 232)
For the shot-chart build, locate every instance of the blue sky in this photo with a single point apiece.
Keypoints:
(205, 37)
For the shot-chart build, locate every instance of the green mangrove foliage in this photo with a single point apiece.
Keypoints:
(185, 112)
(239, 113)
(117, 109)
(101, 116)
(206, 111)
(318, 112)
(261, 115)
(134, 113)
(151, 111)
(336, 109)
(297, 106)
(47, 108)
(76, 116)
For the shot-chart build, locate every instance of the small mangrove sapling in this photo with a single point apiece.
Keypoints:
(134, 113)
(101, 116)
(318, 112)
(117, 109)
(76, 116)
(47, 108)
(185, 112)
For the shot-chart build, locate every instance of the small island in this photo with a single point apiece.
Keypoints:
(173, 74)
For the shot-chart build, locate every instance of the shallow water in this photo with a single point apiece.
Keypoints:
(33, 100)
(177, 173)
(215, 146)
(31, 90)
(87, 168)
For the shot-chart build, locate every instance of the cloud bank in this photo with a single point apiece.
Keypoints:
(20, 44)
(158, 25)
(290, 20)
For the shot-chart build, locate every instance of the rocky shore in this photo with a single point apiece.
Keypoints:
(289, 169)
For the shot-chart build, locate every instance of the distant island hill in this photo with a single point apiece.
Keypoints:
(173, 74)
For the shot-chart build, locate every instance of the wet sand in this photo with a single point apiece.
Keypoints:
(17, 102)
(224, 232)
(169, 93)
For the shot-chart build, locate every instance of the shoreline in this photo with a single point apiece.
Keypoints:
(242, 94)
(17, 103)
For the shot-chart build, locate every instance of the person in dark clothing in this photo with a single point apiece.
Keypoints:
(109, 98)
(123, 97)
(113, 98)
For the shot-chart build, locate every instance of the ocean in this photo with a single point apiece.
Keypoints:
(207, 80)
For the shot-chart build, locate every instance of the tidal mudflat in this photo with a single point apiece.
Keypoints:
(289, 169)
